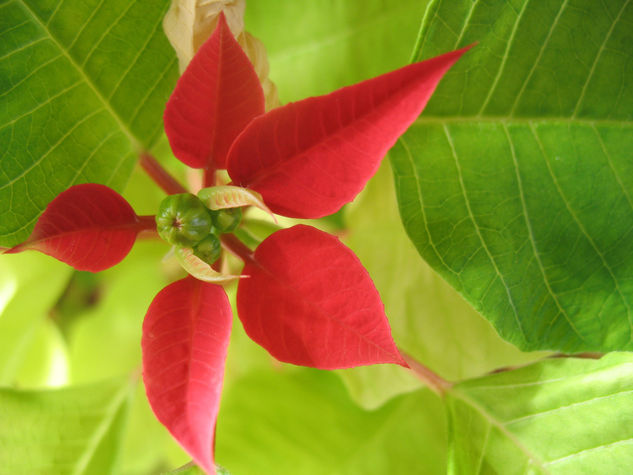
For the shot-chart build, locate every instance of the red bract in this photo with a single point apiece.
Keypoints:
(309, 158)
(89, 227)
(185, 337)
(305, 297)
(309, 301)
(211, 104)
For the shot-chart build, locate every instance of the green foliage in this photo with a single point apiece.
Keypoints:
(83, 85)
(428, 318)
(561, 416)
(30, 284)
(515, 186)
(315, 47)
(515, 183)
(66, 431)
(302, 422)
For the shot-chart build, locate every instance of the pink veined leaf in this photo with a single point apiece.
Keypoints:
(90, 227)
(215, 98)
(185, 338)
(309, 301)
(309, 158)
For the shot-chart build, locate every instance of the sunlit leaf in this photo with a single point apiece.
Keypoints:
(82, 87)
(214, 99)
(75, 430)
(316, 47)
(185, 337)
(24, 303)
(90, 227)
(309, 301)
(561, 416)
(309, 158)
(515, 184)
(44, 359)
(303, 423)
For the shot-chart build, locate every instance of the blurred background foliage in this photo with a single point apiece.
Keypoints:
(80, 332)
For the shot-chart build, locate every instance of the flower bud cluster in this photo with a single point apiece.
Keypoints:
(184, 221)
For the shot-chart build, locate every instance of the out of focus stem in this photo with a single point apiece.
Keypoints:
(160, 176)
(237, 248)
(146, 226)
(433, 380)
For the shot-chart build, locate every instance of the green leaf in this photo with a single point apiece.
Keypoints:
(302, 422)
(75, 430)
(428, 318)
(516, 183)
(45, 359)
(30, 284)
(560, 416)
(83, 86)
(316, 47)
(128, 290)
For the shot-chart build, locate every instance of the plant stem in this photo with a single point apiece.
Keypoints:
(209, 176)
(146, 223)
(433, 380)
(237, 247)
(160, 176)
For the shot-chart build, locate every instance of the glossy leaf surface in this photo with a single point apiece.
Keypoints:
(217, 95)
(309, 158)
(74, 430)
(561, 416)
(185, 337)
(89, 227)
(515, 184)
(310, 302)
(82, 88)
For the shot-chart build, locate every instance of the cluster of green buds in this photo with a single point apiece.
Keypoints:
(184, 221)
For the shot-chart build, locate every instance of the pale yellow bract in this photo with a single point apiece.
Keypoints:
(189, 23)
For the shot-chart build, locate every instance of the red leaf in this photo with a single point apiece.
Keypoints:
(185, 337)
(309, 301)
(309, 158)
(215, 98)
(90, 227)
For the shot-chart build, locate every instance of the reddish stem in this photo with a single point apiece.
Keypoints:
(209, 176)
(237, 247)
(433, 380)
(146, 226)
(160, 176)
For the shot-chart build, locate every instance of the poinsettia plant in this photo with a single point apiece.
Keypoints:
(302, 294)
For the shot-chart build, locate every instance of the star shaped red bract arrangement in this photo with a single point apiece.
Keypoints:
(306, 297)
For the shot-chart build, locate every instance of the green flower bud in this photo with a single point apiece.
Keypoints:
(183, 220)
(226, 220)
(209, 249)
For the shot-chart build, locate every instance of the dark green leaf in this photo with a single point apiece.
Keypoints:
(560, 416)
(429, 320)
(516, 183)
(82, 88)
